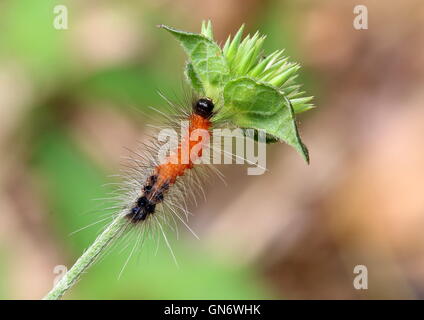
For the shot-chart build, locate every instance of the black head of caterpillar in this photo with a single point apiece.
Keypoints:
(204, 108)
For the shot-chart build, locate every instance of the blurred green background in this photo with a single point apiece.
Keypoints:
(72, 100)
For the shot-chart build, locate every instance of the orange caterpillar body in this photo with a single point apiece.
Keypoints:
(166, 174)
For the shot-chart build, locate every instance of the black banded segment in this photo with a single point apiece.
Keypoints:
(146, 204)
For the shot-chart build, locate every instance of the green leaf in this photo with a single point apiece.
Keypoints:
(193, 78)
(257, 91)
(207, 29)
(206, 58)
(252, 104)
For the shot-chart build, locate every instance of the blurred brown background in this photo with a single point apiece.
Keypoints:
(68, 107)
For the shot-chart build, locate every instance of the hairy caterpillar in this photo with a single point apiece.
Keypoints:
(165, 175)
(157, 190)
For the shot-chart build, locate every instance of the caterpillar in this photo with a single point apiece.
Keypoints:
(165, 175)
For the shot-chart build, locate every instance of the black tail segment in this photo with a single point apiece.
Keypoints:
(141, 210)
(146, 204)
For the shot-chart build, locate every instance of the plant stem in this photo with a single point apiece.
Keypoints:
(87, 258)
